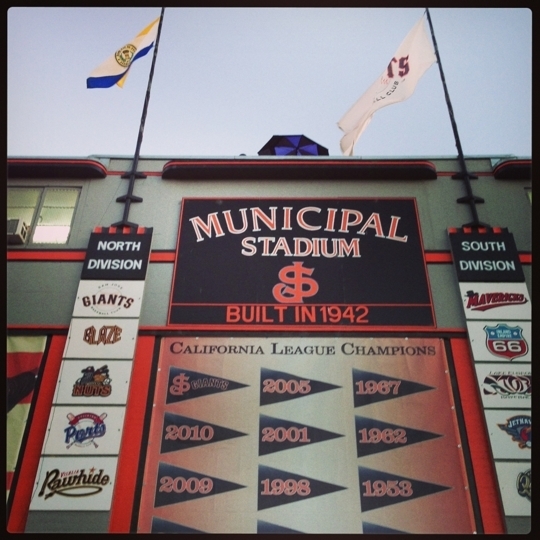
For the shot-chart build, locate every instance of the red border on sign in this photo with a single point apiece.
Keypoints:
(485, 474)
(298, 327)
(130, 446)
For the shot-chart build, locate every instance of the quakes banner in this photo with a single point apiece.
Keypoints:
(253, 264)
(303, 435)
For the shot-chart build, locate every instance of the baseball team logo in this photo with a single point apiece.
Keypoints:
(524, 484)
(84, 428)
(106, 335)
(125, 55)
(295, 285)
(477, 301)
(76, 483)
(94, 382)
(506, 341)
(107, 300)
(520, 429)
(507, 385)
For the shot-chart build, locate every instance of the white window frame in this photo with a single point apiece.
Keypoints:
(39, 207)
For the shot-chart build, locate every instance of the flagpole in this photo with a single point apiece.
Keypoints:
(471, 199)
(133, 174)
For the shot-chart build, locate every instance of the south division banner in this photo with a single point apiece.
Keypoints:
(485, 256)
(304, 435)
(300, 263)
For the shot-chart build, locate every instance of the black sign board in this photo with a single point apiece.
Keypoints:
(297, 263)
(486, 255)
(117, 255)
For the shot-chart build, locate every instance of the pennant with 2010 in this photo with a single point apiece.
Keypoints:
(115, 69)
(397, 83)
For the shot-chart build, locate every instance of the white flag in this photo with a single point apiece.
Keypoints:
(397, 83)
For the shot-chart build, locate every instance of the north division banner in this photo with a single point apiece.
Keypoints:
(117, 255)
(306, 435)
(297, 263)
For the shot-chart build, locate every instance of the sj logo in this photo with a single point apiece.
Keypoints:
(180, 385)
(294, 284)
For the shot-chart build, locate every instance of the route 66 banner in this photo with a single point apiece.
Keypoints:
(500, 341)
(260, 264)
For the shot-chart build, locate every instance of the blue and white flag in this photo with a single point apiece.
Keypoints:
(115, 69)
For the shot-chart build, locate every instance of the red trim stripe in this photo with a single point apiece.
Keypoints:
(43, 256)
(481, 230)
(431, 257)
(130, 446)
(412, 329)
(301, 328)
(438, 257)
(162, 257)
(32, 454)
(485, 474)
(44, 327)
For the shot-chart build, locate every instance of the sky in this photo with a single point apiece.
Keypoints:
(227, 79)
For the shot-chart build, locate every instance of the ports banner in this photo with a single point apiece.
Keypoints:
(245, 433)
(253, 264)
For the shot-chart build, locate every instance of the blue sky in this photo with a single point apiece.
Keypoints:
(227, 79)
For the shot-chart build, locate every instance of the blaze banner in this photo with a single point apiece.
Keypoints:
(300, 263)
(306, 435)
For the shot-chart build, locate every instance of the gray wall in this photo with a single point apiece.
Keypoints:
(44, 293)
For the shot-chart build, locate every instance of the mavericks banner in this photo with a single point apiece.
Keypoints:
(300, 263)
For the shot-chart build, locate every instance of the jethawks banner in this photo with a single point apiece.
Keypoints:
(300, 263)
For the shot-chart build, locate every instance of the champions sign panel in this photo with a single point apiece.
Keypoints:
(304, 435)
(300, 263)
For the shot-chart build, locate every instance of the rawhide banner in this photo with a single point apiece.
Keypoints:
(303, 435)
(293, 264)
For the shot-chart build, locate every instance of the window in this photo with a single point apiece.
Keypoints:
(48, 212)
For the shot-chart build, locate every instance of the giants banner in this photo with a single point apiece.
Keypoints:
(305, 435)
(300, 263)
